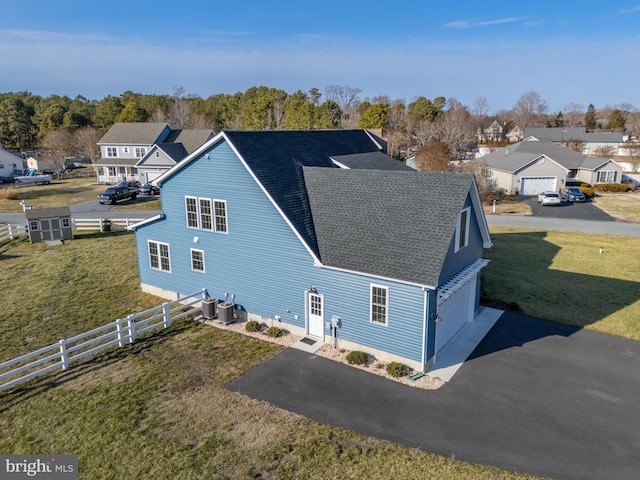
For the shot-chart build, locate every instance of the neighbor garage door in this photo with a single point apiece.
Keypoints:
(536, 185)
(455, 312)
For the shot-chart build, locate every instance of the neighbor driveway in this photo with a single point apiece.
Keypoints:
(535, 396)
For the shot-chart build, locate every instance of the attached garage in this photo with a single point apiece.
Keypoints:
(536, 185)
(457, 303)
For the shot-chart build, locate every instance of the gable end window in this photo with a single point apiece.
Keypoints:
(159, 258)
(112, 152)
(379, 304)
(197, 260)
(206, 214)
(462, 230)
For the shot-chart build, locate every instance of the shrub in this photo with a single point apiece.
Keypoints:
(274, 332)
(396, 369)
(9, 194)
(253, 326)
(611, 187)
(357, 357)
(588, 191)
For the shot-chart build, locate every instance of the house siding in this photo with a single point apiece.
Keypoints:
(272, 279)
(455, 261)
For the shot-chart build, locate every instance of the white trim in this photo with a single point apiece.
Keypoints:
(159, 267)
(456, 246)
(338, 164)
(425, 314)
(187, 212)
(464, 276)
(146, 221)
(377, 277)
(386, 305)
(215, 216)
(478, 213)
(191, 250)
(370, 135)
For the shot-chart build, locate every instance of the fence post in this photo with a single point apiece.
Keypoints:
(101, 224)
(63, 354)
(166, 312)
(204, 293)
(120, 333)
(131, 325)
(10, 230)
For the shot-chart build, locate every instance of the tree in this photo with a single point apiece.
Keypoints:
(556, 121)
(107, 111)
(605, 151)
(617, 120)
(327, 115)
(314, 96)
(480, 107)
(397, 117)
(575, 144)
(375, 116)
(434, 156)
(633, 155)
(86, 141)
(529, 108)
(16, 127)
(132, 112)
(454, 130)
(422, 109)
(347, 99)
(573, 114)
(298, 112)
(590, 118)
(59, 144)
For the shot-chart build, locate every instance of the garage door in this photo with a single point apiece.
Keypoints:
(151, 176)
(455, 312)
(536, 185)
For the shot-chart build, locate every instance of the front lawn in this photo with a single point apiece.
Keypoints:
(622, 206)
(562, 276)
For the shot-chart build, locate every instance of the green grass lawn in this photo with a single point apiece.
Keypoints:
(562, 276)
(158, 408)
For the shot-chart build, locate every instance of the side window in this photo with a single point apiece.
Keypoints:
(379, 304)
(159, 258)
(197, 260)
(462, 230)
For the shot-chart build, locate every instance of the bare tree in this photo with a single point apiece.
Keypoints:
(59, 144)
(605, 151)
(575, 144)
(480, 107)
(633, 156)
(573, 114)
(179, 112)
(347, 99)
(86, 140)
(529, 108)
(454, 129)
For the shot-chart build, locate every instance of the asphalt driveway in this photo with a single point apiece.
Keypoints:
(576, 211)
(534, 396)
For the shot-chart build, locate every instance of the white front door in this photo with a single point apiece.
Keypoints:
(315, 315)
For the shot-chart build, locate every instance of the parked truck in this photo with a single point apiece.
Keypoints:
(32, 177)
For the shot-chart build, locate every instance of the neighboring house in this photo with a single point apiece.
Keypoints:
(126, 144)
(163, 156)
(515, 135)
(273, 222)
(9, 164)
(593, 141)
(47, 224)
(497, 132)
(531, 167)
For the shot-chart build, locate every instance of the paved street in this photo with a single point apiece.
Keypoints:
(535, 396)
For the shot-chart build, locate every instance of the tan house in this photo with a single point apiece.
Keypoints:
(531, 167)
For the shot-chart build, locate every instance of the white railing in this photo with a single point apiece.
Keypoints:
(11, 230)
(99, 223)
(124, 330)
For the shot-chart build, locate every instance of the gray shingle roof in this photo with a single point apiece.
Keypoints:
(558, 134)
(277, 157)
(370, 161)
(386, 223)
(54, 212)
(134, 133)
(175, 151)
(191, 139)
(516, 156)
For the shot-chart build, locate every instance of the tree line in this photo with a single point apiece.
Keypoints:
(66, 127)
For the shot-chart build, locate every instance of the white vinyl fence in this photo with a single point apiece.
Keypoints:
(11, 230)
(62, 354)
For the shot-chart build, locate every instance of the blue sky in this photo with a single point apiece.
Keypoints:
(586, 52)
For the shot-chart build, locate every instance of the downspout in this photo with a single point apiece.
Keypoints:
(425, 314)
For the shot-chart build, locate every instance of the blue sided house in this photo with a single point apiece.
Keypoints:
(323, 234)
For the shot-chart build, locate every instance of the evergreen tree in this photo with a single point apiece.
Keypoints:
(590, 118)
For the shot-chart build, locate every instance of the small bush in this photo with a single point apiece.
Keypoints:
(9, 194)
(396, 369)
(357, 358)
(274, 332)
(253, 326)
(379, 365)
(588, 191)
(611, 187)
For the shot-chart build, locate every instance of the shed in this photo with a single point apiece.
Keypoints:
(47, 224)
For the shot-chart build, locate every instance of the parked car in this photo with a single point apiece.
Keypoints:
(132, 185)
(149, 189)
(113, 194)
(549, 198)
(572, 194)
